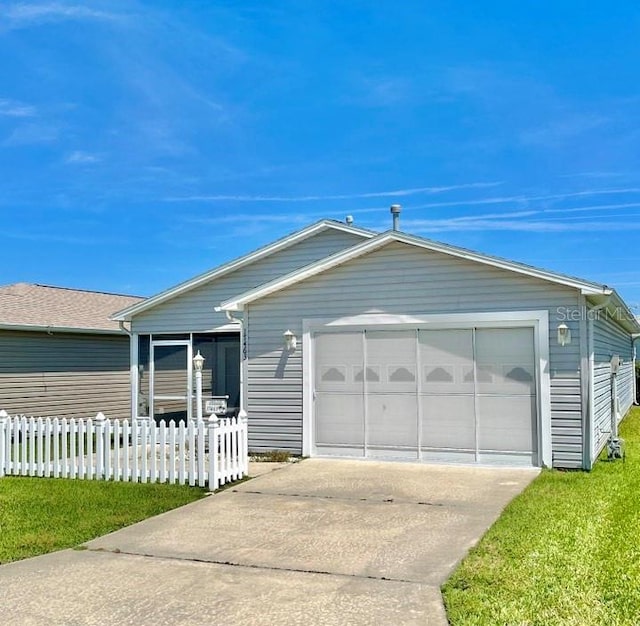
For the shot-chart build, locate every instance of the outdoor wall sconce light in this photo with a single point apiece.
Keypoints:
(564, 335)
(290, 340)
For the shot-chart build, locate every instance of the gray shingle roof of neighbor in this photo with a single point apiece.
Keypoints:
(41, 307)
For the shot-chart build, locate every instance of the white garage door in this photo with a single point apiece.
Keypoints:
(465, 394)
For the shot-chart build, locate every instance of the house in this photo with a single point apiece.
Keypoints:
(341, 341)
(60, 355)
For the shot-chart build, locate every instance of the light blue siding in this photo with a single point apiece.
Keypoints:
(402, 280)
(193, 311)
(609, 339)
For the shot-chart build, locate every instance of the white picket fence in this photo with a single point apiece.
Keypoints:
(207, 453)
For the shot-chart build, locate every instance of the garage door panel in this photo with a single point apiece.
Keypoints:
(505, 361)
(391, 355)
(339, 419)
(446, 358)
(392, 420)
(448, 422)
(506, 423)
(338, 355)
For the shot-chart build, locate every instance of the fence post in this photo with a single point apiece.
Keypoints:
(214, 471)
(99, 422)
(4, 420)
(243, 418)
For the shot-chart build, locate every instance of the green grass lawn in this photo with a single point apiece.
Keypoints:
(566, 551)
(39, 515)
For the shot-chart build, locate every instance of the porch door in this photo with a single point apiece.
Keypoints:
(171, 381)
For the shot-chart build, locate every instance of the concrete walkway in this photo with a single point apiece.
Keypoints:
(318, 542)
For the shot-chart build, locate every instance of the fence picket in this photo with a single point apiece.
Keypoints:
(200, 449)
(181, 453)
(4, 419)
(191, 448)
(142, 447)
(82, 435)
(162, 446)
(172, 452)
(153, 450)
(135, 437)
(107, 449)
(126, 440)
(72, 449)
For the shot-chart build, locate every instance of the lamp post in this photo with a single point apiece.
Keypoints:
(198, 362)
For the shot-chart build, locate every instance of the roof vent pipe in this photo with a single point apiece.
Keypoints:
(349, 220)
(395, 211)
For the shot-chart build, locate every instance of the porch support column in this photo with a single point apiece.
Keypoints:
(134, 373)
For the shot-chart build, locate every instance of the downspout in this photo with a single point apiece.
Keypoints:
(633, 356)
(236, 320)
(134, 370)
(591, 412)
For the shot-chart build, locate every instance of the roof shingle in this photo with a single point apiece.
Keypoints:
(25, 304)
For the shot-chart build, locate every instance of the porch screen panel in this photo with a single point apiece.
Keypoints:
(447, 389)
(170, 383)
(392, 403)
(339, 389)
(506, 389)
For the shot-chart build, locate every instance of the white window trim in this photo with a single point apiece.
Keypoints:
(538, 320)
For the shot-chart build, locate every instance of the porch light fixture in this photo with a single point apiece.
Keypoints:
(198, 362)
(564, 335)
(290, 340)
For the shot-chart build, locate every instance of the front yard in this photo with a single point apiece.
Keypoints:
(39, 515)
(567, 551)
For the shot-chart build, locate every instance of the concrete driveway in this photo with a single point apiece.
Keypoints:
(317, 542)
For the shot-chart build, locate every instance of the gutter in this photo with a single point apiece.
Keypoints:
(633, 349)
(123, 328)
(60, 329)
(235, 320)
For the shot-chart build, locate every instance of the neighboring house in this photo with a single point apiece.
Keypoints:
(406, 348)
(60, 355)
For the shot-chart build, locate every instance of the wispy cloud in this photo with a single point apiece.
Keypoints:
(30, 134)
(595, 175)
(560, 130)
(80, 156)
(378, 92)
(244, 219)
(540, 226)
(527, 199)
(13, 108)
(314, 198)
(22, 14)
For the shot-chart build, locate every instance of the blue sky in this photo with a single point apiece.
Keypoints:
(142, 143)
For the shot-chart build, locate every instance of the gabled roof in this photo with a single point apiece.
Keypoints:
(217, 272)
(587, 288)
(25, 306)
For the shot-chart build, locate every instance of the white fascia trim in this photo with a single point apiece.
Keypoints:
(234, 304)
(126, 314)
(612, 296)
(61, 329)
(538, 320)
